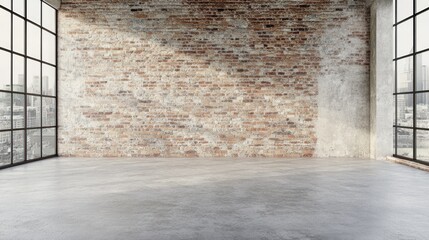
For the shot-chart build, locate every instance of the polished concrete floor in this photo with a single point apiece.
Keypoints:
(69, 198)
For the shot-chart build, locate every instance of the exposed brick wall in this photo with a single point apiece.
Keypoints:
(180, 78)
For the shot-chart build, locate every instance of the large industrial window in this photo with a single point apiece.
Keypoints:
(28, 89)
(411, 28)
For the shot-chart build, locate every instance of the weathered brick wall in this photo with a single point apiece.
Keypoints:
(180, 78)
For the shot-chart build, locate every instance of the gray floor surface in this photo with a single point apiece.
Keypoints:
(72, 198)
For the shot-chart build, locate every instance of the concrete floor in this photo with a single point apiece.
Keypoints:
(213, 199)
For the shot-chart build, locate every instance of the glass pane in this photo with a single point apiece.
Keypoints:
(405, 74)
(394, 43)
(422, 66)
(394, 140)
(48, 18)
(49, 142)
(5, 139)
(5, 29)
(422, 31)
(5, 3)
(18, 146)
(33, 10)
(394, 11)
(405, 9)
(33, 41)
(18, 111)
(422, 145)
(405, 38)
(33, 76)
(18, 73)
(5, 99)
(394, 110)
(48, 112)
(18, 34)
(405, 142)
(405, 110)
(48, 47)
(4, 70)
(19, 7)
(422, 114)
(394, 76)
(33, 111)
(422, 4)
(48, 80)
(33, 144)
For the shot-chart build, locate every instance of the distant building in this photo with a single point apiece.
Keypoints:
(422, 81)
(45, 86)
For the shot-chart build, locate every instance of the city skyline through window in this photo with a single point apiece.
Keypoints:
(28, 71)
(411, 93)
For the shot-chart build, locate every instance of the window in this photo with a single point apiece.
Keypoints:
(411, 94)
(28, 72)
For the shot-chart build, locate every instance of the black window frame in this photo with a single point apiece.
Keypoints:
(414, 92)
(26, 94)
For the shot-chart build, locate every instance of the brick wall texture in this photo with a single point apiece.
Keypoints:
(199, 78)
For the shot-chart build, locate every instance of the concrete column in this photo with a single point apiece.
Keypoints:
(381, 79)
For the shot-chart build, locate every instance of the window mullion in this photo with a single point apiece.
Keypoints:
(25, 83)
(11, 83)
(41, 78)
(414, 82)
